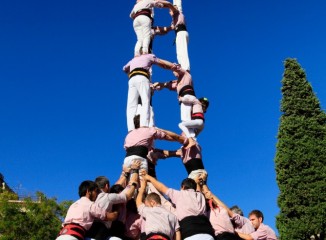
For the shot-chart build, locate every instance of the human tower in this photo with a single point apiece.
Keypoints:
(135, 208)
(139, 142)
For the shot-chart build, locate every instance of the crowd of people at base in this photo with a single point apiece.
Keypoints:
(138, 206)
(135, 208)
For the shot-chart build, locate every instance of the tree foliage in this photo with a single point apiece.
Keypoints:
(301, 159)
(32, 220)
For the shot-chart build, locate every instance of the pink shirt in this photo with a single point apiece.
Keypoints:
(83, 212)
(242, 224)
(185, 79)
(188, 202)
(159, 220)
(264, 232)
(143, 136)
(106, 200)
(220, 220)
(191, 153)
(144, 61)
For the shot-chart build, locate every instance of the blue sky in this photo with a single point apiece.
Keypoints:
(63, 93)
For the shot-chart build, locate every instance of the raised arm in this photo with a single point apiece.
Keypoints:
(139, 199)
(209, 195)
(158, 185)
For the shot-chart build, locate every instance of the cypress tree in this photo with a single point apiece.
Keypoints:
(301, 159)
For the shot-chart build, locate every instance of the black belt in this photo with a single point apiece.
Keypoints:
(187, 90)
(194, 164)
(139, 71)
(146, 12)
(140, 151)
(180, 27)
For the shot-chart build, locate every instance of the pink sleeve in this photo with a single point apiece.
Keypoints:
(172, 194)
(142, 210)
(97, 212)
(159, 134)
(239, 220)
(260, 234)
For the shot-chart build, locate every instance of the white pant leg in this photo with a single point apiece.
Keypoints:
(186, 108)
(202, 236)
(144, 91)
(197, 172)
(143, 162)
(132, 102)
(181, 43)
(189, 127)
(113, 238)
(178, 3)
(66, 237)
(142, 27)
(151, 115)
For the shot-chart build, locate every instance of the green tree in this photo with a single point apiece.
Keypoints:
(301, 159)
(30, 220)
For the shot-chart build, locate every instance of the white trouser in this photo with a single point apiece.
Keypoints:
(192, 128)
(129, 160)
(138, 86)
(142, 26)
(151, 115)
(186, 108)
(178, 3)
(113, 238)
(202, 236)
(66, 237)
(181, 43)
(197, 172)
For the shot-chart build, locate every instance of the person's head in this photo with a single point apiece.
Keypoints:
(188, 183)
(204, 102)
(103, 183)
(236, 210)
(88, 189)
(152, 199)
(256, 217)
(137, 121)
(116, 188)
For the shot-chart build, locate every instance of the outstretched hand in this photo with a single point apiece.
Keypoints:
(135, 164)
(157, 86)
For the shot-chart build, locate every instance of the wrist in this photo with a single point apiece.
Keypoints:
(125, 174)
(134, 184)
(134, 170)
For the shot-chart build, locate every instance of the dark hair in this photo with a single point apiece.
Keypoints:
(189, 183)
(236, 209)
(154, 196)
(137, 121)
(257, 213)
(204, 100)
(116, 188)
(86, 186)
(101, 181)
